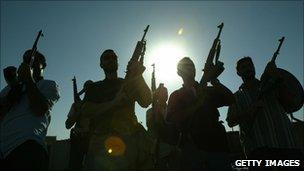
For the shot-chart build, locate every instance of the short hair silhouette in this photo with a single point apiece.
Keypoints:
(242, 60)
(107, 52)
(186, 61)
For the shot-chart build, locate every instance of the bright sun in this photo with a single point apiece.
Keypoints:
(165, 57)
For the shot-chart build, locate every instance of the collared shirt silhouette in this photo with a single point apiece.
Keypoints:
(262, 119)
(24, 126)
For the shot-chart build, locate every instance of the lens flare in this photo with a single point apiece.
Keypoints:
(110, 151)
(115, 146)
(180, 31)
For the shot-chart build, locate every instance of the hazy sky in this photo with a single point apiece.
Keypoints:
(77, 32)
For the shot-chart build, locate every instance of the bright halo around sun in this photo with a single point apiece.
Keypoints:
(165, 57)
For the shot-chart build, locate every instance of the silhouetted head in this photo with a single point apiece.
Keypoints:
(10, 75)
(245, 68)
(186, 68)
(108, 61)
(38, 65)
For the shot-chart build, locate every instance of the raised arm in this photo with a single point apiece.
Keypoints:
(143, 92)
(232, 116)
(220, 95)
(40, 101)
(74, 114)
(135, 85)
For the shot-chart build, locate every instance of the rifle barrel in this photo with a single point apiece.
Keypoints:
(37, 38)
(215, 50)
(220, 31)
(274, 57)
(145, 32)
(281, 42)
(153, 81)
(75, 91)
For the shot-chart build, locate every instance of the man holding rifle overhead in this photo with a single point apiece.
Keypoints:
(24, 125)
(261, 107)
(193, 109)
(118, 140)
(79, 136)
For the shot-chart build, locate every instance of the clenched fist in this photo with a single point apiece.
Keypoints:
(25, 73)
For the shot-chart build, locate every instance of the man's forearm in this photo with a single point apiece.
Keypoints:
(226, 93)
(69, 122)
(38, 102)
(143, 92)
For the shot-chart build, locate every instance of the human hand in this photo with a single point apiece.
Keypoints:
(86, 86)
(135, 68)
(25, 73)
(213, 71)
(217, 70)
(76, 106)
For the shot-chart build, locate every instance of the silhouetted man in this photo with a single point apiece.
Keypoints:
(164, 134)
(265, 128)
(24, 126)
(117, 141)
(193, 109)
(10, 76)
(79, 136)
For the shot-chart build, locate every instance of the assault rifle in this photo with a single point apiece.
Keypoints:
(214, 52)
(287, 80)
(139, 52)
(75, 91)
(11, 77)
(99, 109)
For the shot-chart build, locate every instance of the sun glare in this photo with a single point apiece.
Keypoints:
(165, 57)
(180, 31)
